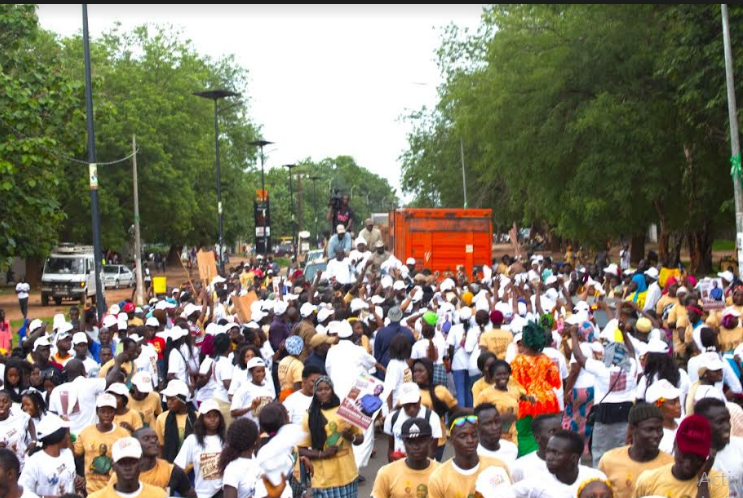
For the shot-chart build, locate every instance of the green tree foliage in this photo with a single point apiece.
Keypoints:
(589, 118)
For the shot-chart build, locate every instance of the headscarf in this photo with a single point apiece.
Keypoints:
(587, 332)
(642, 285)
(294, 345)
(533, 337)
(547, 321)
(316, 420)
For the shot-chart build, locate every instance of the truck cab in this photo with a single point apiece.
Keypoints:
(69, 273)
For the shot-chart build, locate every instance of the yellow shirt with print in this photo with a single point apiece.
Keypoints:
(623, 472)
(397, 480)
(96, 447)
(132, 418)
(290, 372)
(158, 476)
(147, 491)
(447, 482)
(150, 407)
(445, 397)
(340, 469)
(661, 482)
(507, 403)
(496, 341)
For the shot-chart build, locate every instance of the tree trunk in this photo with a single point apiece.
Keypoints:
(174, 255)
(663, 237)
(700, 250)
(637, 251)
(675, 250)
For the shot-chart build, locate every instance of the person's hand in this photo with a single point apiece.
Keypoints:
(121, 358)
(274, 491)
(348, 434)
(329, 452)
(127, 426)
(307, 465)
(256, 402)
(79, 484)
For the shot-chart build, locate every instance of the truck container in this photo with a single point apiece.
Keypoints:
(443, 239)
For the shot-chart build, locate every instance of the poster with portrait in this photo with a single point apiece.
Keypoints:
(713, 295)
(363, 402)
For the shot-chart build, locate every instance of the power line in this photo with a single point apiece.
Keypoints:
(59, 155)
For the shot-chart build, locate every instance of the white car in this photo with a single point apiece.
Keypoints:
(117, 276)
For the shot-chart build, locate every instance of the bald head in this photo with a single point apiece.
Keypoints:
(74, 369)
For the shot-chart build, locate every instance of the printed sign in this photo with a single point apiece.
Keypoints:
(362, 403)
(713, 296)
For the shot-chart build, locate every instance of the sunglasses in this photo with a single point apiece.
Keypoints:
(460, 421)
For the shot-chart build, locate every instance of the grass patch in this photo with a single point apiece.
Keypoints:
(282, 262)
(723, 245)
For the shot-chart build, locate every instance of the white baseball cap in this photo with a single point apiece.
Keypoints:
(42, 342)
(409, 393)
(50, 424)
(657, 346)
(118, 388)
(661, 389)
(255, 362)
(143, 382)
(730, 311)
(57, 321)
(306, 310)
(123, 324)
(190, 309)
(110, 321)
(114, 309)
(177, 332)
(652, 273)
(126, 447)
(324, 314)
(340, 229)
(410, 261)
(175, 388)
(398, 285)
(280, 307)
(726, 275)
(358, 305)
(214, 329)
(35, 324)
(152, 322)
(79, 338)
(345, 330)
(208, 406)
(105, 399)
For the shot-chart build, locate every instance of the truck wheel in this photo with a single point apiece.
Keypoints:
(44, 299)
(58, 301)
(82, 299)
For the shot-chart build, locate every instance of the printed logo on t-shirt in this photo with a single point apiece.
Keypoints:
(209, 466)
(618, 380)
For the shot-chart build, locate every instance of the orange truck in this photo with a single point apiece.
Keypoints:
(443, 239)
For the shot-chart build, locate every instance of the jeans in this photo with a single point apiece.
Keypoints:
(24, 306)
(462, 385)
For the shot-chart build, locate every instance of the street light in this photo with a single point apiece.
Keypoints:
(290, 167)
(262, 143)
(215, 95)
(315, 208)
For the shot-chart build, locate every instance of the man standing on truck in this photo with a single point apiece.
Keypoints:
(378, 257)
(371, 234)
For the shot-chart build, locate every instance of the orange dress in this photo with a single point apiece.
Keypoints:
(538, 375)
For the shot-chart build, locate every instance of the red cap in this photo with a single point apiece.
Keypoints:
(258, 273)
(129, 308)
(694, 436)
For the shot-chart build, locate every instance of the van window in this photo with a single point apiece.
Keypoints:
(68, 266)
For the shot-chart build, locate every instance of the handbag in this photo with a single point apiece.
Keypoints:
(591, 417)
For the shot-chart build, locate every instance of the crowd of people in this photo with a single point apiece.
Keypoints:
(538, 377)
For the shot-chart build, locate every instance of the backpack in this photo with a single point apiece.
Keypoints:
(426, 416)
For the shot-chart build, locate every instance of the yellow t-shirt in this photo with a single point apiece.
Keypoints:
(158, 476)
(496, 341)
(146, 492)
(479, 386)
(507, 403)
(132, 417)
(340, 469)
(729, 339)
(126, 368)
(180, 419)
(623, 472)
(448, 482)
(661, 482)
(664, 301)
(96, 447)
(397, 480)
(290, 372)
(447, 398)
(150, 407)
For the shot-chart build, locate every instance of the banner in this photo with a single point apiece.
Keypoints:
(242, 305)
(713, 297)
(207, 266)
(363, 402)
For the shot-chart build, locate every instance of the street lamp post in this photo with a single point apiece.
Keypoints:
(262, 143)
(215, 95)
(315, 208)
(290, 167)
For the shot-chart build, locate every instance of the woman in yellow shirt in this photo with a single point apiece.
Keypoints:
(505, 395)
(436, 398)
(329, 444)
(125, 417)
(484, 362)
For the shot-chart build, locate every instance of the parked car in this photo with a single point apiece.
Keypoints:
(117, 276)
(312, 268)
(314, 256)
(284, 249)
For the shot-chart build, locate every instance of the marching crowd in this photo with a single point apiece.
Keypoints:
(541, 378)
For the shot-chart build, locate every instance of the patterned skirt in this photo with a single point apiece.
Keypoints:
(576, 412)
(439, 375)
(348, 491)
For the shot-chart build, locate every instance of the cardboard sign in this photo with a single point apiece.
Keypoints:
(713, 297)
(207, 266)
(242, 305)
(351, 409)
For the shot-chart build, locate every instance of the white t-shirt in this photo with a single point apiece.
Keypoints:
(420, 349)
(76, 401)
(584, 379)
(684, 386)
(29, 494)
(14, 433)
(624, 388)
(222, 371)
(507, 453)
(22, 290)
(297, 405)
(207, 391)
(546, 485)
(461, 358)
(177, 366)
(398, 372)
(341, 270)
(396, 431)
(666, 444)
(527, 465)
(244, 475)
(47, 475)
(205, 461)
(709, 392)
(729, 461)
(244, 397)
(92, 368)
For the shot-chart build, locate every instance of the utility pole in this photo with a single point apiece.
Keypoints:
(137, 239)
(464, 179)
(300, 206)
(734, 139)
(100, 301)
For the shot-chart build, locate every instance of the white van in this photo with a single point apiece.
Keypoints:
(69, 273)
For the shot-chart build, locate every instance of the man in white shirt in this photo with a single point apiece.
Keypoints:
(410, 407)
(74, 400)
(654, 290)
(22, 289)
(544, 427)
(489, 428)
(339, 268)
(564, 473)
(298, 402)
(729, 456)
